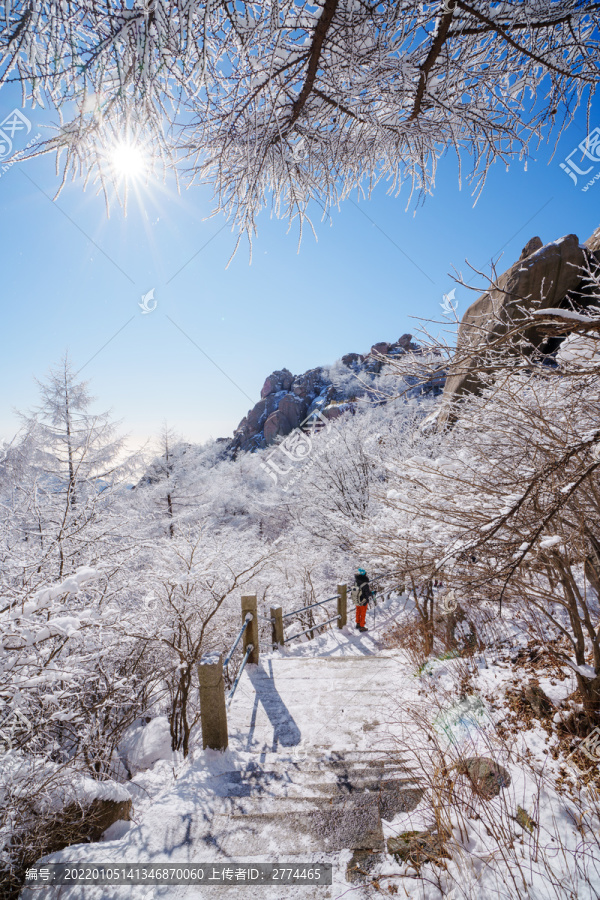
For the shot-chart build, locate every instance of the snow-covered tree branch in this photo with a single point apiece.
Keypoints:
(287, 101)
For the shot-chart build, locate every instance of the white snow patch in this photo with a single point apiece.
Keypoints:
(143, 745)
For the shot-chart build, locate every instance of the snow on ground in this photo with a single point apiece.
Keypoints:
(145, 743)
(352, 707)
(348, 641)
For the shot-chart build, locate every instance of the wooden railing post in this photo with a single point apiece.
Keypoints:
(250, 605)
(277, 626)
(342, 605)
(213, 714)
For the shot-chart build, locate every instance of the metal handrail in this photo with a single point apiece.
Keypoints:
(247, 621)
(319, 625)
(249, 650)
(320, 603)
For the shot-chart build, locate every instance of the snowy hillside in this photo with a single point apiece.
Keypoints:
(450, 750)
(342, 718)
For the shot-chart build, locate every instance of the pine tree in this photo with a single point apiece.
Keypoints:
(74, 471)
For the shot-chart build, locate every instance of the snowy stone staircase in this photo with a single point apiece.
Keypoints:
(324, 770)
(313, 767)
(329, 804)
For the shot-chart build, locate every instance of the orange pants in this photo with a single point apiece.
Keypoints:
(361, 615)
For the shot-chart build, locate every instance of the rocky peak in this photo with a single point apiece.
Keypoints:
(545, 276)
(287, 400)
(532, 246)
(593, 243)
(281, 380)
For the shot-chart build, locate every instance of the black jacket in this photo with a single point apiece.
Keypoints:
(362, 582)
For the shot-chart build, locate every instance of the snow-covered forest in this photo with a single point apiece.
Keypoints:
(119, 572)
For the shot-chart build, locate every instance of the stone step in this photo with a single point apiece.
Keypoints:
(396, 789)
(247, 784)
(343, 787)
(320, 776)
(278, 657)
(391, 797)
(303, 755)
(277, 784)
(331, 776)
(261, 742)
(295, 826)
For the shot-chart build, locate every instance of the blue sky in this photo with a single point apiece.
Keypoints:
(72, 279)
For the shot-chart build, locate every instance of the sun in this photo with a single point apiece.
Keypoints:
(129, 160)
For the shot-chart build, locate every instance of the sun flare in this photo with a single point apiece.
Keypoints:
(128, 160)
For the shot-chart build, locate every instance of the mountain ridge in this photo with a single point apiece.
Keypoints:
(287, 399)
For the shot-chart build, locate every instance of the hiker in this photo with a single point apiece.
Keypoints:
(361, 594)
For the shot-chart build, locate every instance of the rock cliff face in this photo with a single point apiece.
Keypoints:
(593, 243)
(544, 277)
(287, 400)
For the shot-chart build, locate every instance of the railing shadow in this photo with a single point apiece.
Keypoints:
(285, 731)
